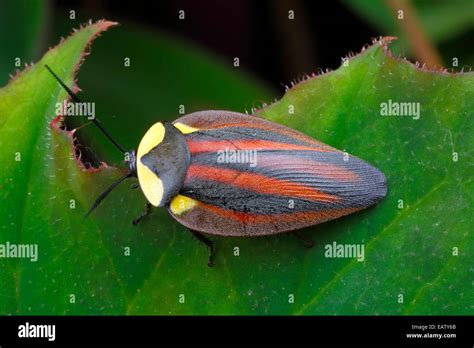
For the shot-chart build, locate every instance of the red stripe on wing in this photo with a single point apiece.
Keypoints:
(304, 165)
(270, 127)
(248, 219)
(253, 144)
(258, 183)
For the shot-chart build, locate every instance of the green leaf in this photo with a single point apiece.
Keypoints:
(37, 179)
(409, 251)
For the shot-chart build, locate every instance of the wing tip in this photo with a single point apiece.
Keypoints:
(379, 186)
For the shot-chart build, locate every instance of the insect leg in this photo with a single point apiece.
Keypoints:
(308, 243)
(145, 213)
(209, 245)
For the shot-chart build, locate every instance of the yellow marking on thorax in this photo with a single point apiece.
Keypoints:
(185, 129)
(181, 204)
(150, 183)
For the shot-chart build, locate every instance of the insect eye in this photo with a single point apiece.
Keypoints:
(131, 159)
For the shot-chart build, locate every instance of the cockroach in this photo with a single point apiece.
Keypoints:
(230, 174)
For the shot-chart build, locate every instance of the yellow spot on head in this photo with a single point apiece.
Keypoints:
(181, 204)
(152, 138)
(150, 183)
(185, 129)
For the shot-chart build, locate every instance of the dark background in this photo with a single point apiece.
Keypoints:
(273, 50)
(190, 61)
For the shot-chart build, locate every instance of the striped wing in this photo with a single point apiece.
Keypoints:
(249, 176)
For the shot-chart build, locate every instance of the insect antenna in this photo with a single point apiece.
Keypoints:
(77, 100)
(105, 193)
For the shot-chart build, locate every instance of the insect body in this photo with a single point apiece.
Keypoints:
(231, 174)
